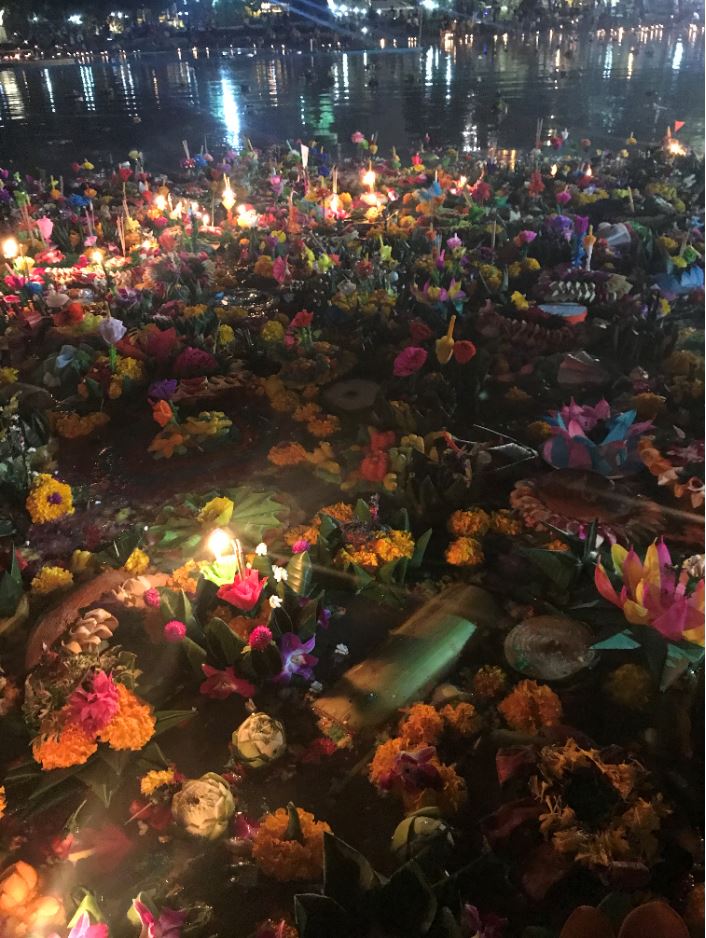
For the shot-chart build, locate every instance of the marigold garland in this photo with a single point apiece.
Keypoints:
(287, 860)
(71, 746)
(530, 707)
(133, 725)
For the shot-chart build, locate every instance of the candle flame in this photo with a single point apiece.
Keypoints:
(218, 542)
(369, 179)
(10, 248)
(160, 202)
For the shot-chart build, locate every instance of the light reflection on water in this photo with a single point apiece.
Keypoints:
(473, 93)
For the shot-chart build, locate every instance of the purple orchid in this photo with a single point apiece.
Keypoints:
(414, 770)
(453, 243)
(296, 658)
(167, 924)
(586, 416)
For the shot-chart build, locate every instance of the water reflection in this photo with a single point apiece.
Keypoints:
(474, 93)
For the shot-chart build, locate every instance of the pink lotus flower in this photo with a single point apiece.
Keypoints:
(221, 684)
(409, 361)
(653, 595)
(357, 137)
(244, 593)
(83, 928)
(93, 709)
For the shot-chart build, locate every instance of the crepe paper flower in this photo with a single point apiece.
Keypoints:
(489, 681)
(49, 499)
(481, 191)
(531, 707)
(280, 270)
(260, 638)
(174, 631)
(94, 707)
(586, 416)
(375, 466)
(525, 237)
(167, 924)
(296, 658)
(615, 455)
(357, 137)
(244, 593)
(454, 242)
(409, 361)
(49, 579)
(218, 511)
(111, 330)
(8, 375)
(653, 594)
(137, 563)
(162, 413)
(289, 845)
(194, 362)
(70, 746)
(464, 350)
(221, 684)
(133, 725)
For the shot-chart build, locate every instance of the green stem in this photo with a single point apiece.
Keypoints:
(294, 828)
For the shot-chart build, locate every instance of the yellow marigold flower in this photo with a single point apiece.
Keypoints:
(301, 532)
(71, 746)
(272, 331)
(132, 727)
(462, 717)
(8, 375)
(531, 263)
(414, 441)
(185, 577)
(50, 579)
(130, 368)
(321, 427)
(287, 454)
(502, 522)
(530, 707)
(394, 545)
(285, 403)
(472, 523)
(306, 412)
(49, 499)
(383, 761)
(287, 860)
(630, 685)
(538, 431)
(226, 335)
(137, 563)
(514, 270)
(197, 310)
(218, 511)
(81, 560)
(71, 425)
(115, 388)
(156, 779)
(340, 512)
(464, 552)
(3, 802)
(519, 300)
(360, 556)
(489, 681)
(423, 725)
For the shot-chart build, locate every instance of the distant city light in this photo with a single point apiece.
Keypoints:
(76, 19)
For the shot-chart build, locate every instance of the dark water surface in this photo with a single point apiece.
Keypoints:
(596, 84)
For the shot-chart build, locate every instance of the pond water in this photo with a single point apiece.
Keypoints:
(475, 93)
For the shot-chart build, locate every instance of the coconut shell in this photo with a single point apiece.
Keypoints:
(549, 648)
(352, 395)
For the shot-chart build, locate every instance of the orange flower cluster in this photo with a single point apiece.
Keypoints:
(287, 454)
(530, 707)
(464, 552)
(489, 681)
(287, 860)
(23, 908)
(132, 727)
(70, 746)
(472, 523)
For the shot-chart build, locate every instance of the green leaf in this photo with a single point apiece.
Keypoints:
(348, 877)
(386, 573)
(255, 513)
(445, 925)
(560, 567)
(10, 587)
(362, 511)
(299, 573)
(320, 917)
(54, 778)
(116, 760)
(407, 904)
(678, 659)
(101, 779)
(168, 719)
(307, 619)
(420, 549)
(621, 641)
(225, 643)
(175, 604)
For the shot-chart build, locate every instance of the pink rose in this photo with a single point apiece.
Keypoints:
(245, 592)
(409, 361)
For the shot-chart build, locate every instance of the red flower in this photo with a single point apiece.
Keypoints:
(536, 185)
(244, 593)
(381, 440)
(124, 173)
(464, 351)
(409, 361)
(419, 331)
(302, 320)
(221, 684)
(375, 465)
(481, 191)
(317, 750)
(161, 343)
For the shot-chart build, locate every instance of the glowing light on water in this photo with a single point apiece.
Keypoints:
(678, 56)
(229, 109)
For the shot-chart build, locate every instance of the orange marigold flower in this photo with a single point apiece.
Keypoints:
(464, 552)
(301, 532)
(306, 412)
(321, 427)
(538, 431)
(489, 681)
(295, 859)
(287, 454)
(422, 725)
(360, 556)
(71, 746)
(462, 717)
(185, 577)
(339, 512)
(132, 727)
(502, 522)
(284, 403)
(394, 545)
(556, 544)
(472, 523)
(529, 707)
(385, 758)
(448, 799)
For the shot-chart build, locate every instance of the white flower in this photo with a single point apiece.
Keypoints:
(261, 549)
(316, 687)
(275, 602)
(204, 806)
(342, 649)
(279, 573)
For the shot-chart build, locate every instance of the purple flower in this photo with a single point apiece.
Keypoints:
(193, 362)
(111, 330)
(414, 770)
(580, 225)
(167, 924)
(162, 390)
(453, 243)
(296, 658)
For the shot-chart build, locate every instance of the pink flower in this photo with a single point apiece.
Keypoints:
(280, 271)
(419, 331)
(84, 929)
(302, 320)
(357, 137)
(481, 191)
(244, 593)
(167, 925)
(409, 361)
(174, 631)
(93, 709)
(260, 638)
(194, 362)
(563, 198)
(525, 237)
(221, 684)
(453, 243)
(298, 547)
(152, 597)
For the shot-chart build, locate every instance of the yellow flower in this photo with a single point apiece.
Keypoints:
(50, 579)
(137, 563)
(226, 335)
(81, 560)
(185, 577)
(49, 499)
(519, 300)
(514, 270)
(217, 511)
(197, 310)
(8, 375)
(130, 368)
(3, 802)
(502, 522)
(679, 262)
(531, 263)
(472, 523)
(156, 779)
(272, 331)
(263, 267)
(464, 552)
(394, 545)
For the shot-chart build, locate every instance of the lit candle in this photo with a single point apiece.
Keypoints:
(369, 179)
(588, 242)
